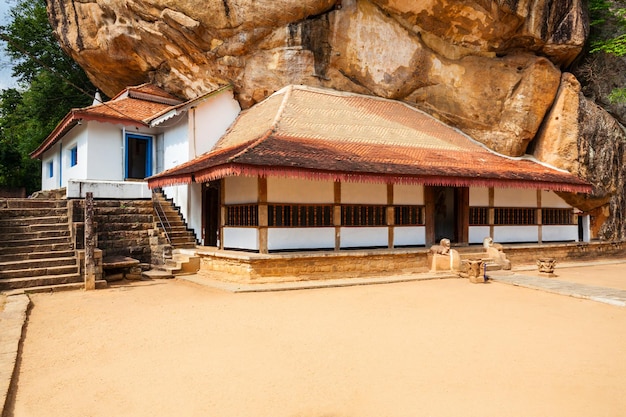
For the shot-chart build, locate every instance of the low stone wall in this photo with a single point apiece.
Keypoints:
(249, 267)
(565, 252)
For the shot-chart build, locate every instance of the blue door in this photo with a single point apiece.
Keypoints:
(138, 156)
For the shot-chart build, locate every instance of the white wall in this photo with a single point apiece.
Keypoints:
(478, 233)
(513, 234)
(59, 154)
(105, 151)
(549, 199)
(175, 144)
(354, 237)
(52, 155)
(409, 235)
(301, 238)
(559, 233)
(211, 118)
(241, 238)
(515, 197)
(127, 190)
(290, 190)
(410, 195)
(479, 197)
(363, 193)
(241, 190)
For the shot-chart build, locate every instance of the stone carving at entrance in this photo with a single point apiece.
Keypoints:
(475, 270)
(443, 248)
(546, 266)
(494, 252)
(444, 258)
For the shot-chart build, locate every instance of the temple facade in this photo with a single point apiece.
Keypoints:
(313, 168)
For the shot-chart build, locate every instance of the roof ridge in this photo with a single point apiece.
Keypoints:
(273, 126)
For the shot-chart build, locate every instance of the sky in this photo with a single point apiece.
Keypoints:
(5, 67)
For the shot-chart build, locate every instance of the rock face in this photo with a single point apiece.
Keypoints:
(492, 68)
(581, 137)
(474, 64)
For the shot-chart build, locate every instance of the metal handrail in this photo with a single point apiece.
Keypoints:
(158, 209)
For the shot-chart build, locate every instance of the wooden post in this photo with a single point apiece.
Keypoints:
(263, 214)
(337, 214)
(90, 243)
(390, 217)
(539, 217)
(491, 216)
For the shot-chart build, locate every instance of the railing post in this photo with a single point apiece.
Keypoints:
(90, 243)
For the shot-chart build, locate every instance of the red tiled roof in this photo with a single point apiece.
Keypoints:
(318, 133)
(135, 106)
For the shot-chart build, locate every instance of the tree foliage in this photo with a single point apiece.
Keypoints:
(50, 84)
(608, 21)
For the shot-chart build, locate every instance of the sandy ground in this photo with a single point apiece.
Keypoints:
(430, 348)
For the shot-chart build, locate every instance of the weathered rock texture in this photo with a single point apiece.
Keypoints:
(442, 55)
(489, 67)
(581, 137)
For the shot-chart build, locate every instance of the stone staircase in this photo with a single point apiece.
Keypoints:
(172, 222)
(479, 252)
(36, 244)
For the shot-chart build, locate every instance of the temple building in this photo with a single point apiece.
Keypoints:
(312, 168)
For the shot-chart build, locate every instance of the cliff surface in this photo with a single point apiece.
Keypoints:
(492, 68)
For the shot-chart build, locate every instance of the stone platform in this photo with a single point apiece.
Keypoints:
(249, 267)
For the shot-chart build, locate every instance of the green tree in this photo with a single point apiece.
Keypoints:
(608, 22)
(50, 84)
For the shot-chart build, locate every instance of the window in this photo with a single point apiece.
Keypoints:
(299, 215)
(242, 215)
(515, 216)
(357, 215)
(478, 216)
(408, 215)
(50, 169)
(73, 156)
(556, 216)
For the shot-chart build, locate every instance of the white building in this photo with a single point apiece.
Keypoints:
(109, 148)
(313, 168)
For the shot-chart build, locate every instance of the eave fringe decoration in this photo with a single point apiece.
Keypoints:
(214, 173)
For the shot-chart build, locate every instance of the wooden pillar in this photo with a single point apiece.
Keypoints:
(429, 214)
(462, 225)
(491, 213)
(539, 219)
(222, 211)
(337, 215)
(390, 216)
(263, 216)
(90, 244)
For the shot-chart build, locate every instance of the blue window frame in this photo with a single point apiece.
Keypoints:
(50, 169)
(74, 156)
(138, 164)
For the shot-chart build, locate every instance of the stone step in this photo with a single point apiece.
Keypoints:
(32, 212)
(17, 236)
(104, 211)
(31, 203)
(157, 274)
(28, 282)
(37, 247)
(30, 228)
(16, 243)
(33, 221)
(16, 257)
(17, 265)
(100, 284)
(39, 272)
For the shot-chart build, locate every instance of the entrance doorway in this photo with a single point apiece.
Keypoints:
(447, 214)
(211, 196)
(138, 156)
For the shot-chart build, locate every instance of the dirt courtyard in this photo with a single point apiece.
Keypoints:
(428, 348)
